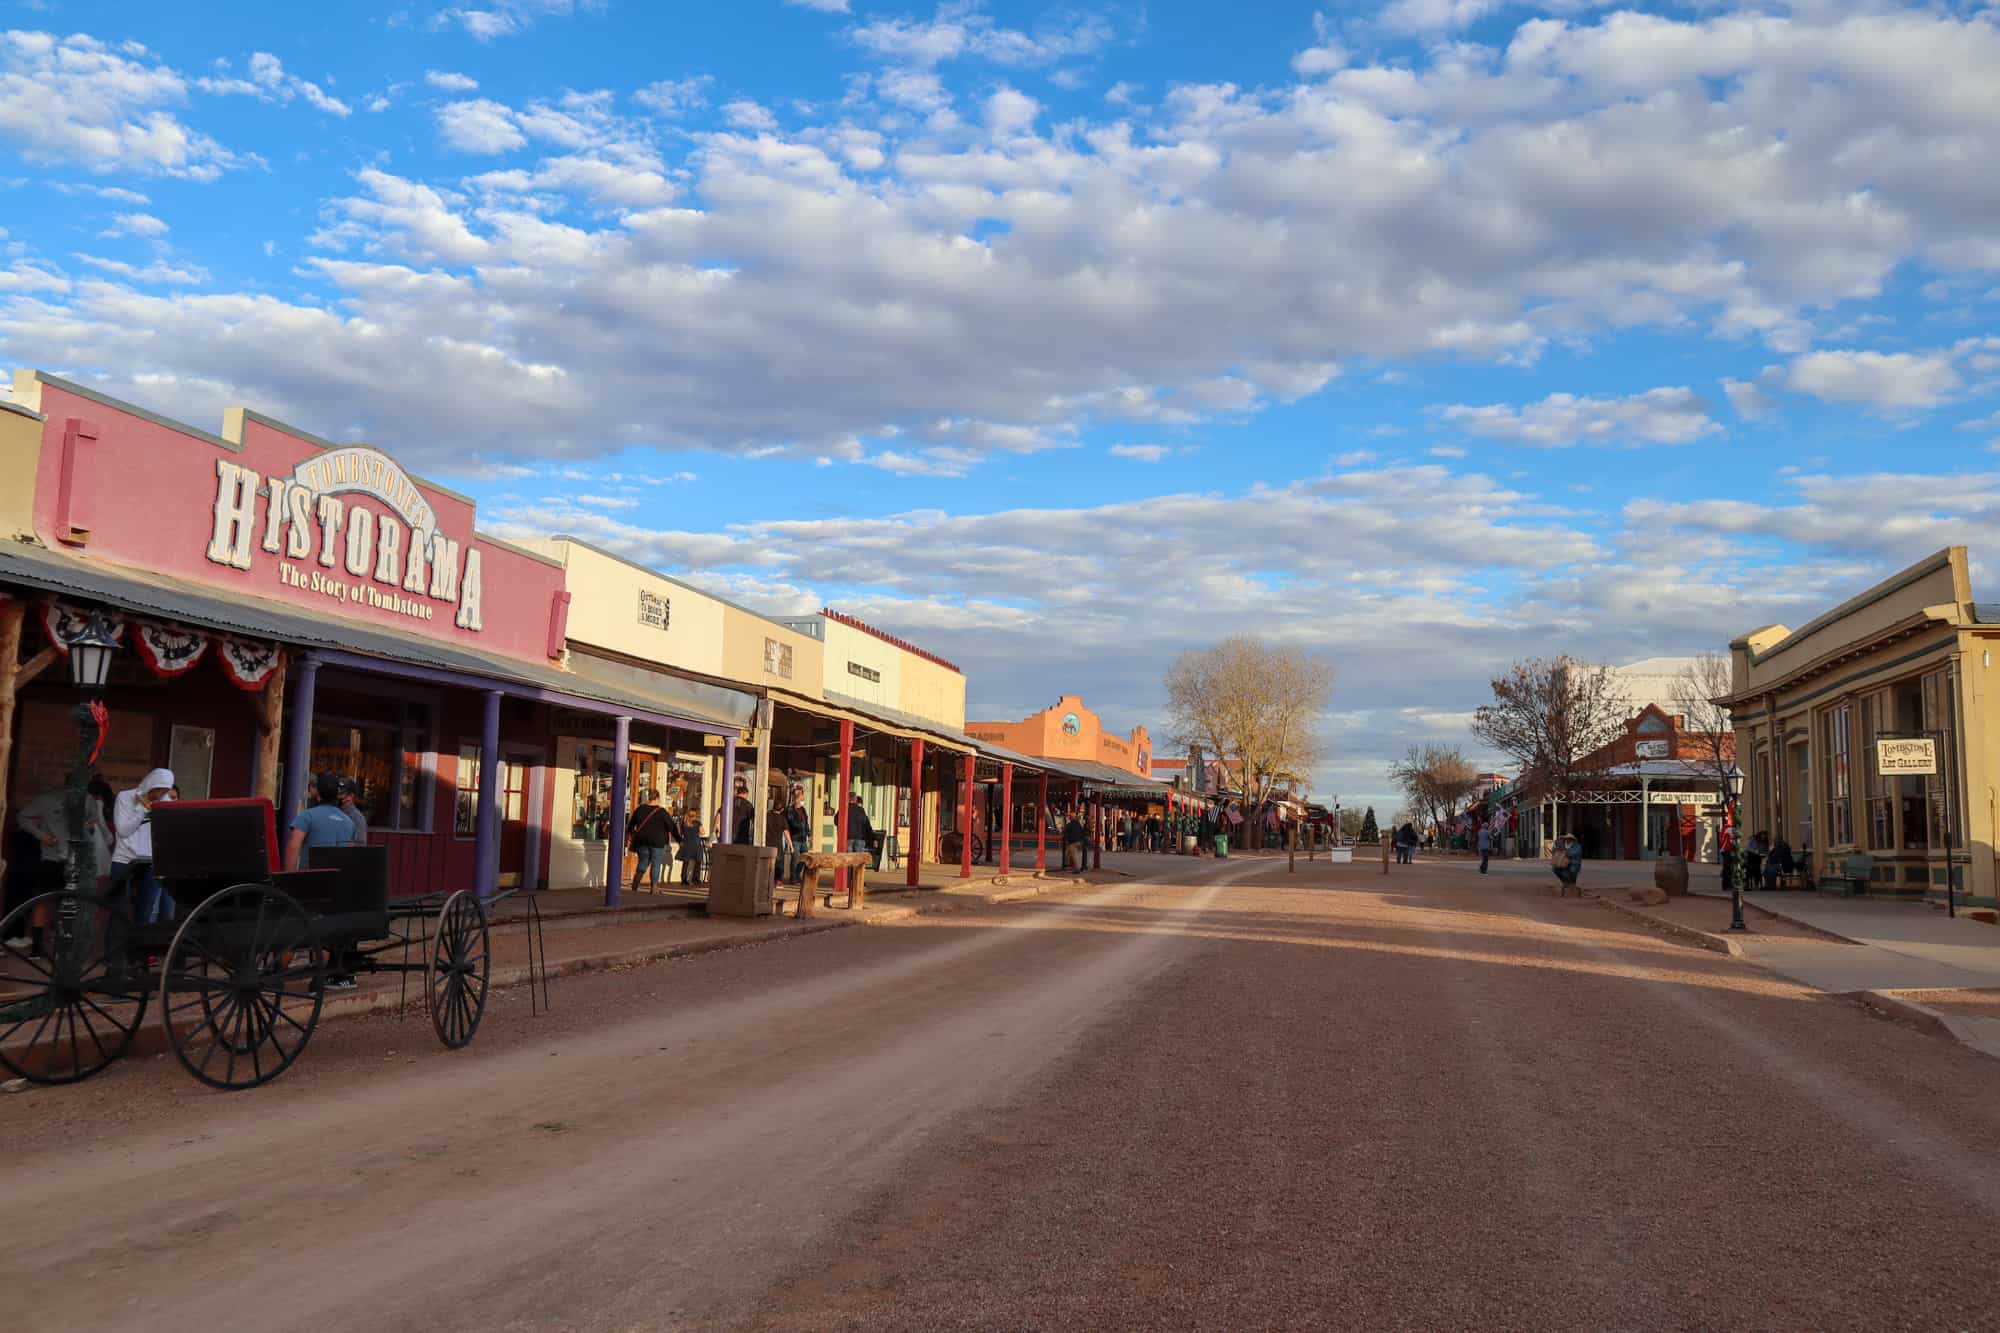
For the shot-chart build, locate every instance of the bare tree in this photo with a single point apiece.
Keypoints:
(1248, 702)
(1550, 715)
(1437, 778)
(1706, 736)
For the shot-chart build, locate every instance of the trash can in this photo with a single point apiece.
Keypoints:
(1222, 846)
(1187, 844)
(739, 879)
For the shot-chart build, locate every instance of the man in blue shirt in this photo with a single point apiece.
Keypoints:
(323, 824)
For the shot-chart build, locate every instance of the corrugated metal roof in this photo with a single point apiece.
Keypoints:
(150, 594)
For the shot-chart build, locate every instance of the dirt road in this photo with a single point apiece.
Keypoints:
(1233, 1098)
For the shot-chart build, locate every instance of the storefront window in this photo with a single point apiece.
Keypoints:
(1940, 720)
(465, 813)
(385, 746)
(684, 786)
(592, 819)
(1839, 802)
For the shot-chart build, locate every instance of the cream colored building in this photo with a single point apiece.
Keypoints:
(624, 615)
(1910, 662)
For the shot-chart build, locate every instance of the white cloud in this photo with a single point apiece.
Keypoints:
(1886, 381)
(745, 114)
(135, 224)
(1446, 451)
(1141, 453)
(450, 82)
(1747, 400)
(1326, 56)
(479, 126)
(959, 31)
(1354, 458)
(608, 501)
(823, 6)
(505, 18)
(268, 82)
(76, 99)
(1011, 112)
(156, 272)
(674, 97)
(881, 267)
(1657, 416)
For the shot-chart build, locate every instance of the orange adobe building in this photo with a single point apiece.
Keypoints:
(1068, 730)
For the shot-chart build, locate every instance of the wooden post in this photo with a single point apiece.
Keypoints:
(1006, 818)
(1385, 853)
(846, 791)
(270, 727)
(1292, 846)
(1042, 825)
(965, 820)
(760, 789)
(915, 851)
(12, 613)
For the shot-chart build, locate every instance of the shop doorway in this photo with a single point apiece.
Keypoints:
(520, 814)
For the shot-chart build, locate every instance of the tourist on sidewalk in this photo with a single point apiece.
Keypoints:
(1073, 838)
(798, 836)
(1485, 846)
(691, 849)
(860, 832)
(648, 835)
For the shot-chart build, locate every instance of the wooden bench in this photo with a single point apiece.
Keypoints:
(855, 863)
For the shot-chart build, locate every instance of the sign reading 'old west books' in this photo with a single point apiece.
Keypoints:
(1906, 757)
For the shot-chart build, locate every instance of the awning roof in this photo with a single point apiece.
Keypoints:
(604, 687)
(877, 717)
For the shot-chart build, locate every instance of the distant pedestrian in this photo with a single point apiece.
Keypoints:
(798, 835)
(1073, 838)
(1485, 846)
(691, 849)
(350, 805)
(860, 832)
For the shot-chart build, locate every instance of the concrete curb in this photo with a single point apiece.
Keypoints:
(1772, 913)
(1921, 1015)
(1699, 939)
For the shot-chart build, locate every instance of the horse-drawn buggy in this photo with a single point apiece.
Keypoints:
(241, 971)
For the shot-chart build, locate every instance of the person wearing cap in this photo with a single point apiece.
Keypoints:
(321, 824)
(860, 829)
(742, 814)
(350, 805)
(132, 850)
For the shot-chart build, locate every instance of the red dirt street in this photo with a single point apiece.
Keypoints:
(1217, 1095)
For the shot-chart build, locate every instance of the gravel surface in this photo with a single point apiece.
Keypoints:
(1983, 1003)
(1250, 1100)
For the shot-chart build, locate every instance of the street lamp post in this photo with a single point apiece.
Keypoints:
(90, 656)
(1731, 790)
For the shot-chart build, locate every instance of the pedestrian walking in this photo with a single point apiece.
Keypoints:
(798, 835)
(648, 835)
(860, 830)
(691, 850)
(1485, 846)
(39, 861)
(1073, 837)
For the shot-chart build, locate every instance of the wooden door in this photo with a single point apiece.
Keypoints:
(513, 820)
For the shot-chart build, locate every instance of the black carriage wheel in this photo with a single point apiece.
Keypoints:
(241, 990)
(71, 1010)
(460, 963)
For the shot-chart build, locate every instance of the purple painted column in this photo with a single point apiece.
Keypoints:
(298, 750)
(486, 831)
(614, 842)
(728, 830)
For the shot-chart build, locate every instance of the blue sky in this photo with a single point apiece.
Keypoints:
(1062, 338)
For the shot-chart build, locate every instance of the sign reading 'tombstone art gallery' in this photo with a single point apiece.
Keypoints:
(1906, 757)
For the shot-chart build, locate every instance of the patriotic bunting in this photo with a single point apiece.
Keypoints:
(65, 625)
(168, 650)
(246, 661)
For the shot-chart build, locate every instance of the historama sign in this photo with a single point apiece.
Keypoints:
(266, 511)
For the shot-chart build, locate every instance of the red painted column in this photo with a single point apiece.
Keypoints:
(965, 823)
(1006, 847)
(846, 790)
(915, 851)
(1097, 832)
(1042, 826)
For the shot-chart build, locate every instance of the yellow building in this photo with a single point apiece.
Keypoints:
(1868, 736)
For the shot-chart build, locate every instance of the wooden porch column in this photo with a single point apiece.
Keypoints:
(914, 853)
(965, 821)
(270, 706)
(846, 790)
(1042, 825)
(11, 615)
(760, 788)
(621, 798)
(1006, 818)
(486, 826)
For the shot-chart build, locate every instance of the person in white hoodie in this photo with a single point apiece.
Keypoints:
(132, 853)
